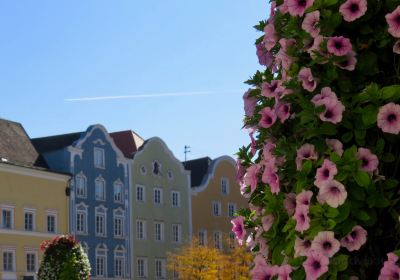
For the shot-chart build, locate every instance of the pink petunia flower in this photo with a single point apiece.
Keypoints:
(267, 222)
(250, 103)
(283, 111)
(251, 177)
(302, 218)
(290, 203)
(282, 57)
(284, 271)
(272, 89)
(297, 7)
(315, 265)
(396, 47)
(264, 56)
(326, 172)
(355, 239)
(238, 229)
(240, 171)
(310, 23)
(326, 243)
(353, 9)
(335, 145)
(301, 247)
(268, 117)
(307, 79)
(305, 152)
(339, 45)
(304, 198)
(332, 193)
(270, 36)
(389, 118)
(253, 143)
(326, 93)
(271, 178)
(316, 48)
(333, 111)
(389, 271)
(350, 62)
(261, 270)
(393, 20)
(369, 161)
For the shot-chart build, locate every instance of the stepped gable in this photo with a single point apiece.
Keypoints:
(16, 146)
(199, 168)
(127, 141)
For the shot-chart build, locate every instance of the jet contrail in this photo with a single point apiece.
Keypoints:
(96, 98)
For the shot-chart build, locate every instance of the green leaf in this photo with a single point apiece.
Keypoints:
(390, 92)
(369, 115)
(362, 178)
(330, 224)
(307, 166)
(331, 212)
(347, 137)
(289, 225)
(356, 192)
(297, 261)
(380, 145)
(341, 262)
(388, 157)
(361, 214)
(390, 184)
(344, 212)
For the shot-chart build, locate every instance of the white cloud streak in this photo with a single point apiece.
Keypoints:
(166, 94)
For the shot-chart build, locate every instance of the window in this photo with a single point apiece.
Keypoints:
(143, 170)
(118, 191)
(80, 185)
(160, 268)
(224, 185)
(176, 233)
(101, 220)
(51, 222)
(140, 229)
(119, 261)
(217, 240)
(142, 267)
(140, 193)
(119, 223)
(159, 231)
(8, 260)
(81, 218)
(29, 218)
(231, 209)
(98, 157)
(170, 175)
(101, 260)
(31, 261)
(7, 216)
(157, 196)
(156, 168)
(100, 189)
(202, 237)
(231, 240)
(216, 208)
(176, 199)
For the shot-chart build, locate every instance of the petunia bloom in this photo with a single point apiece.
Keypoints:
(307, 80)
(325, 173)
(301, 247)
(333, 107)
(250, 103)
(355, 239)
(389, 118)
(270, 36)
(271, 178)
(332, 193)
(284, 271)
(251, 177)
(305, 152)
(393, 20)
(396, 47)
(304, 198)
(390, 269)
(349, 63)
(267, 222)
(302, 218)
(238, 229)
(261, 270)
(310, 23)
(353, 9)
(335, 145)
(264, 56)
(283, 111)
(268, 117)
(297, 7)
(315, 265)
(326, 243)
(369, 161)
(290, 203)
(272, 89)
(339, 45)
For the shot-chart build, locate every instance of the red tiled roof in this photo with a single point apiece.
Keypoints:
(127, 141)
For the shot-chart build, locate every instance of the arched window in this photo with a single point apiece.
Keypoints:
(100, 189)
(81, 218)
(118, 191)
(80, 185)
(101, 221)
(101, 260)
(119, 261)
(119, 222)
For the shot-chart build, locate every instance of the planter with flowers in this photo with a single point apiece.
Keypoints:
(322, 170)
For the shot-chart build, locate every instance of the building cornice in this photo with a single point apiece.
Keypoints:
(26, 171)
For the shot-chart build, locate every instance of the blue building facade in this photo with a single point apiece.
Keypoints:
(99, 196)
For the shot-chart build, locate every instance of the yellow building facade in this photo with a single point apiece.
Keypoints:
(215, 199)
(33, 208)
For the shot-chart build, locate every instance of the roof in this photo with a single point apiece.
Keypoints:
(127, 141)
(16, 146)
(56, 142)
(199, 168)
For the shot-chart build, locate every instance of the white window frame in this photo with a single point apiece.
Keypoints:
(224, 185)
(231, 215)
(99, 157)
(101, 253)
(144, 271)
(84, 213)
(117, 184)
(81, 178)
(119, 214)
(216, 208)
(217, 237)
(177, 233)
(100, 179)
(32, 212)
(11, 210)
(12, 251)
(119, 255)
(159, 231)
(35, 259)
(202, 236)
(159, 263)
(54, 214)
(143, 193)
(101, 212)
(178, 198)
(141, 231)
(155, 196)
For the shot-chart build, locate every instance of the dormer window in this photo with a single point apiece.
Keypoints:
(99, 157)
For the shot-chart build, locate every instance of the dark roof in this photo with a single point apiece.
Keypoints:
(16, 147)
(127, 141)
(199, 168)
(56, 142)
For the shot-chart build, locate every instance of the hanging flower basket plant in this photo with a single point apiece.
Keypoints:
(322, 170)
(64, 259)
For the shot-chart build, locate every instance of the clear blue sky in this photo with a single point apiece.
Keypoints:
(52, 51)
